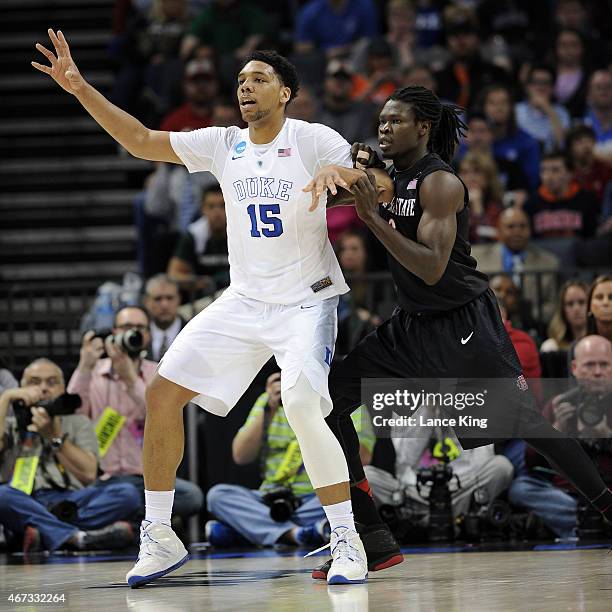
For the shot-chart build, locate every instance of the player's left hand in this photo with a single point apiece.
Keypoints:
(326, 178)
(366, 196)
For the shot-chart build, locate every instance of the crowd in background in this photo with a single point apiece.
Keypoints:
(535, 79)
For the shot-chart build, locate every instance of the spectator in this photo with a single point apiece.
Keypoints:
(244, 514)
(479, 173)
(149, 58)
(543, 491)
(466, 73)
(518, 310)
(7, 380)
(201, 87)
(354, 318)
(381, 78)
(599, 115)
(334, 25)
(479, 468)
(418, 75)
(115, 386)
(514, 254)
(560, 208)
(509, 142)
(569, 322)
(591, 173)
(230, 28)
(570, 84)
(58, 507)
(202, 249)
(575, 15)
(599, 307)
(162, 299)
(303, 107)
(353, 119)
(538, 116)
(525, 348)
(479, 137)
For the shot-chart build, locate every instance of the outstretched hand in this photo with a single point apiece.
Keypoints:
(326, 178)
(63, 70)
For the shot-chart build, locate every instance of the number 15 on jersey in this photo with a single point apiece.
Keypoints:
(271, 225)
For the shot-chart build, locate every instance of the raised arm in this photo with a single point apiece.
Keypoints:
(139, 140)
(441, 197)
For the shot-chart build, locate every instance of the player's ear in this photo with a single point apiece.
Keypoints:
(285, 95)
(424, 128)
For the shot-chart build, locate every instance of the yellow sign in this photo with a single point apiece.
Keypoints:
(292, 461)
(108, 426)
(24, 474)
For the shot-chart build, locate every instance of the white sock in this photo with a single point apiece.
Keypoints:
(158, 506)
(340, 515)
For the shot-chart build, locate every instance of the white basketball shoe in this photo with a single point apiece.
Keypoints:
(161, 552)
(349, 560)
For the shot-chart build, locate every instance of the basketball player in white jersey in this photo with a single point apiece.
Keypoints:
(285, 283)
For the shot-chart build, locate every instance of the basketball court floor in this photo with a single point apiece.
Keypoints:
(543, 578)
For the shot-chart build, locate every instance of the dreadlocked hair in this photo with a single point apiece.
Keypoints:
(447, 127)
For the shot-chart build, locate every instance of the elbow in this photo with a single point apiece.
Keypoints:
(138, 145)
(432, 278)
(238, 456)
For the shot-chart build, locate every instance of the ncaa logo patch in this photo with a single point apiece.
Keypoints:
(240, 147)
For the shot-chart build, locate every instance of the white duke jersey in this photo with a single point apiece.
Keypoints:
(279, 252)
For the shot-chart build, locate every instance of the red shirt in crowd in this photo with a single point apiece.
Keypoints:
(183, 119)
(596, 179)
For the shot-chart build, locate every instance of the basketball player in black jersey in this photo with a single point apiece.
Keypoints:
(447, 324)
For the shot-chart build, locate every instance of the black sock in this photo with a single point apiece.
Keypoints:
(364, 509)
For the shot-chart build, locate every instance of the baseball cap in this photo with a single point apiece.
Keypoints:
(338, 67)
(199, 66)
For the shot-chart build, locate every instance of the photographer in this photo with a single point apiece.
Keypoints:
(584, 412)
(112, 391)
(427, 447)
(284, 509)
(50, 462)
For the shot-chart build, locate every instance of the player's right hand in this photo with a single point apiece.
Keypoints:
(63, 70)
(327, 178)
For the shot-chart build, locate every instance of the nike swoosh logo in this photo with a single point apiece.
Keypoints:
(239, 157)
(466, 340)
(305, 307)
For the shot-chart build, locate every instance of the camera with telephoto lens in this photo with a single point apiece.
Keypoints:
(486, 518)
(591, 407)
(131, 341)
(283, 503)
(441, 523)
(60, 406)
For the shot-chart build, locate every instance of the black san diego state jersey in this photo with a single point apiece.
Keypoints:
(461, 281)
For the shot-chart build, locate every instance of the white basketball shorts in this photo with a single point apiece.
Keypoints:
(221, 350)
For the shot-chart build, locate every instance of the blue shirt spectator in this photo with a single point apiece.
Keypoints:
(326, 24)
(520, 146)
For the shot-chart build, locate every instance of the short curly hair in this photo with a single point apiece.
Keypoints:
(284, 69)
